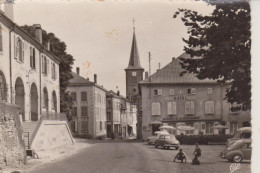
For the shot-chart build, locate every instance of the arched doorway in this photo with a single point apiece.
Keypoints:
(19, 95)
(3, 90)
(45, 99)
(54, 102)
(34, 103)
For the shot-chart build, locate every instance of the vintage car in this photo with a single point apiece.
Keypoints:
(242, 133)
(238, 151)
(152, 139)
(167, 141)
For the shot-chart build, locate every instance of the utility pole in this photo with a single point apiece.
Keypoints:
(149, 63)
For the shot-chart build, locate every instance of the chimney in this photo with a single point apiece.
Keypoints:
(173, 58)
(95, 78)
(38, 32)
(87, 78)
(9, 10)
(47, 45)
(118, 93)
(146, 75)
(77, 70)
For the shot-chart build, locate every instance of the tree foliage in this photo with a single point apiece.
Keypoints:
(58, 48)
(219, 45)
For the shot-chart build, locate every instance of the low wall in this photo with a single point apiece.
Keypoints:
(12, 149)
(52, 134)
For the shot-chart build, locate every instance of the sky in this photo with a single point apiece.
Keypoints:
(99, 34)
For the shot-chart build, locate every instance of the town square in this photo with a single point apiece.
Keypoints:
(127, 86)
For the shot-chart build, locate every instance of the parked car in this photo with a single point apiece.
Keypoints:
(167, 141)
(152, 139)
(238, 151)
(242, 133)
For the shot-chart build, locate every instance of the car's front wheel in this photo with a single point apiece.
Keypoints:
(237, 158)
(176, 148)
(156, 146)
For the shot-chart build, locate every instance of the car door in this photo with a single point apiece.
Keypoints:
(247, 150)
(160, 140)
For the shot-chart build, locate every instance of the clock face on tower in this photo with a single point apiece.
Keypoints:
(133, 73)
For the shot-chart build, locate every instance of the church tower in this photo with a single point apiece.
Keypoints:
(134, 73)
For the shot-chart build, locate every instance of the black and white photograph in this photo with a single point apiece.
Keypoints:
(129, 86)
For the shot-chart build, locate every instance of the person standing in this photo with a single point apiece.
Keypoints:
(197, 154)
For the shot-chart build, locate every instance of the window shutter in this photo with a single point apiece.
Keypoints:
(158, 109)
(169, 106)
(212, 108)
(15, 47)
(171, 91)
(191, 107)
(153, 108)
(207, 107)
(42, 59)
(174, 111)
(187, 108)
(159, 92)
(1, 39)
(48, 68)
(33, 57)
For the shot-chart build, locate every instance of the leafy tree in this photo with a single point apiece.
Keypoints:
(219, 45)
(58, 48)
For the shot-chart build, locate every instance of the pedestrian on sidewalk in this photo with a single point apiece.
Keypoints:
(197, 154)
(180, 156)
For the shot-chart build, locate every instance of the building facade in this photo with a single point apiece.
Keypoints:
(89, 107)
(113, 110)
(29, 72)
(168, 98)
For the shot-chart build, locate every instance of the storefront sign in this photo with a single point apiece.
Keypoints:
(181, 118)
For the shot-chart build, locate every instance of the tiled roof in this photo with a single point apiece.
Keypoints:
(171, 74)
(78, 80)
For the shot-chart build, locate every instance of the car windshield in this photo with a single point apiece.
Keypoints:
(167, 137)
(173, 137)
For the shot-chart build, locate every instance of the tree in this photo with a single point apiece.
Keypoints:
(58, 48)
(219, 45)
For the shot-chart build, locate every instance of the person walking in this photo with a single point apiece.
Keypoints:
(197, 154)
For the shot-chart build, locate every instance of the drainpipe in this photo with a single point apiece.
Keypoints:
(10, 65)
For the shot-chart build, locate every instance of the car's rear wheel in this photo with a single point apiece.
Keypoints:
(156, 146)
(176, 148)
(237, 158)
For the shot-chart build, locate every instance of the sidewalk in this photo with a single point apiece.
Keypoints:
(48, 156)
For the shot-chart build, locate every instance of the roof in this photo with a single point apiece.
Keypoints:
(18, 30)
(78, 80)
(170, 74)
(134, 61)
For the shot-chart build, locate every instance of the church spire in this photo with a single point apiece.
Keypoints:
(134, 61)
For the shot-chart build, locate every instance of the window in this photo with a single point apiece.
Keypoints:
(19, 49)
(100, 126)
(171, 108)
(189, 108)
(156, 108)
(45, 65)
(74, 111)
(84, 111)
(158, 92)
(108, 116)
(191, 91)
(209, 90)
(32, 57)
(171, 92)
(83, 96)
(53, 71)
(1, 39)
(209, 107)
(74, 96)
(84, 126)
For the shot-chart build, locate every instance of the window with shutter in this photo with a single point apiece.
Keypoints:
(171, 92)
(48, 66)
(34, 58)
(23, 51)
(187, 108)
(153, 108)
(209, 90)
(159, 92)
(31, 59)
(192, 108)
(158, 109)
(15, 47)
(209, 107)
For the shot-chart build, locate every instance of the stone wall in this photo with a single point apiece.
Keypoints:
(12, 149)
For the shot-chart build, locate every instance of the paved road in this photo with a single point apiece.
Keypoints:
(135, 158)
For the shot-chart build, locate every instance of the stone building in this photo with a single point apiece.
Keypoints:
(29, 72)
(178, 100)
(113, 110)
(89, 106)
